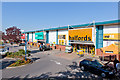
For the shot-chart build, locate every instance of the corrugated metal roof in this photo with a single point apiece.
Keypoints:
(81, 25)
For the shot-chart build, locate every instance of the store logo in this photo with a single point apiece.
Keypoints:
(76, 37)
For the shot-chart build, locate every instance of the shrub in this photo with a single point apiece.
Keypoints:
(7, 53)
(18, 54)
(20, 62)
(22, 51)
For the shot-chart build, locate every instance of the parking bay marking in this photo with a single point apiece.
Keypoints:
(56, 62)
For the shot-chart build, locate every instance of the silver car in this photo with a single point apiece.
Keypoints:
(3, 49)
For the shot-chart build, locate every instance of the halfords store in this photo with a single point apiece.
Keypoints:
(96, 38)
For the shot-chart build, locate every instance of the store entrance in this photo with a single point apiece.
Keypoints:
(85, 48)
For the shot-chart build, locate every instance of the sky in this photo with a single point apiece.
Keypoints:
(30, 16)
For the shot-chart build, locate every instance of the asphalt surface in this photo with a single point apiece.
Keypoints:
(45, 65)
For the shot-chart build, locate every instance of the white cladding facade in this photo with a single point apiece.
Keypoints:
(30, 37)
(52, 37)
(34, 40)
(63, 32)
(111, 29)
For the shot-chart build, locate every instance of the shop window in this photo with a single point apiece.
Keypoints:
(62, 42)
(108, 51)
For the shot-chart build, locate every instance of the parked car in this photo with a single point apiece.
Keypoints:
(22, 44)
(44, 48)
(68, 49)
(96, 67)
(3, 49)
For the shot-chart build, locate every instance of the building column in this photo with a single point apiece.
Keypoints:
(47, 36)
(32, 36)
(27, 36)
(99, 37)
(56, 36)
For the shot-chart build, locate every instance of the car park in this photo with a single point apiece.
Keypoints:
(96, 67)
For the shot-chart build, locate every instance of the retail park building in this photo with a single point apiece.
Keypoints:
(89, 37)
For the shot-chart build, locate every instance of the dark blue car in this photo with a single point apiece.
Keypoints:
(96, 67)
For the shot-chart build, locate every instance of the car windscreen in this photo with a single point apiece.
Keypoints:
(97, 63)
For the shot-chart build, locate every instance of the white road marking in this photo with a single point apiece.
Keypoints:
(56, 62)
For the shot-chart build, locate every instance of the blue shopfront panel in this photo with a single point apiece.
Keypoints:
(56, 36)
(47, 37)
(99, 37)
(27, 36)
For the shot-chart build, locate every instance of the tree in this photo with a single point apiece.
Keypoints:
(13, 33)
(4, 37)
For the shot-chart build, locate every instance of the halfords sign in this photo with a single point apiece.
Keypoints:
(81, 34)
(39, 35)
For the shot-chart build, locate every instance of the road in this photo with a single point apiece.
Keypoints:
(46, 65)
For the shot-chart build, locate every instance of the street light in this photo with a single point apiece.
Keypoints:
(25, 44)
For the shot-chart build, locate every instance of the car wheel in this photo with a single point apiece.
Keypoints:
(82, 68)
(103, 74)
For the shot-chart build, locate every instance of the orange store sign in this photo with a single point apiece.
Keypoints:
(81, 34)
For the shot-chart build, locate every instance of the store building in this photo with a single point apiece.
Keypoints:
(89, 38)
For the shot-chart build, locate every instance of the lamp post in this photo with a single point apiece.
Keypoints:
(25, 48)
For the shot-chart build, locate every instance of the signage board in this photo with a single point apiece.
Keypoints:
(39, 35)
(80, 34)
(111, 36)
(22, 36)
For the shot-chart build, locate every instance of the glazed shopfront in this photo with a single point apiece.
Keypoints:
(82, 39)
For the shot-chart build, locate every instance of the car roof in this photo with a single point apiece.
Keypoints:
(88, 59)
